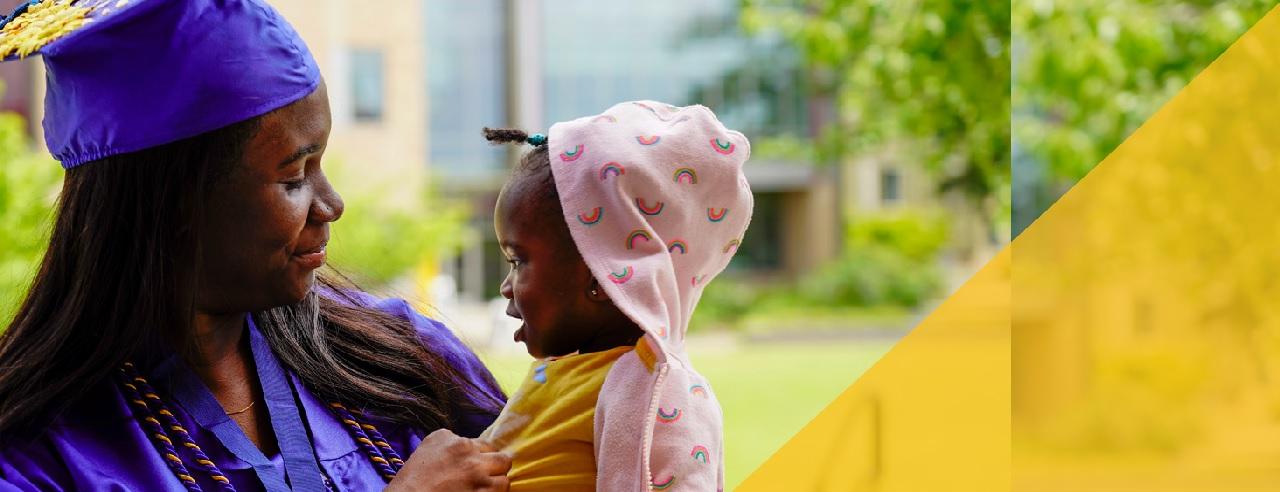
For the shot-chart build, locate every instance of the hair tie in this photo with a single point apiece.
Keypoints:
(537, 139)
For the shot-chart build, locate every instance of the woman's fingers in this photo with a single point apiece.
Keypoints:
(497, 484)
(484, 446)
(446, 462)
(494, 463)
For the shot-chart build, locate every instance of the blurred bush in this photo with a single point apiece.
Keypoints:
(889, 268)
(28, 187)
(726, 302)
(377, 242)
(783, 148)
(888, 260)
(1144, 399)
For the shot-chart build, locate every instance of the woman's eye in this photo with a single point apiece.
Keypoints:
(294, 184)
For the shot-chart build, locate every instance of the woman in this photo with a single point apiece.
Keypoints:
(175, 337)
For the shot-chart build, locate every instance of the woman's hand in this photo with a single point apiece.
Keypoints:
(446, 462)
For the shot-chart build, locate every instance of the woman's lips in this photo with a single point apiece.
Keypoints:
(519, 337)
(312, 259)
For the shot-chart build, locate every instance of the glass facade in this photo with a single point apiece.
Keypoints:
(674, 51)
(594, 55)
(466, 46)
(679, 52)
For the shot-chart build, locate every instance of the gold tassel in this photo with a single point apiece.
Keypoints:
(40, 25)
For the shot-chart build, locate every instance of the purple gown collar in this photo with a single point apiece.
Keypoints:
(282, 402)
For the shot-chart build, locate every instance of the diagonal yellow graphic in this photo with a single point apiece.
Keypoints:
(933, 414)
(1146, 340)
(1145, 315)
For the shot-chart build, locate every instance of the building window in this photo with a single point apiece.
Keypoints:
(763, 243)
(367, 84)
(890, 186)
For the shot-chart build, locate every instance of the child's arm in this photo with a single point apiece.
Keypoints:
(679, 430)
(622, 420)
(687, 448)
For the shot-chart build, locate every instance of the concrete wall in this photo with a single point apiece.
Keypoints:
(969, 246)
(391, 152)
(810, 225)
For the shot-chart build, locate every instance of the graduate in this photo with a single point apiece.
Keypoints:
(178, 335)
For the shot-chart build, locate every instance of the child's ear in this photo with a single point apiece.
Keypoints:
(596, 293)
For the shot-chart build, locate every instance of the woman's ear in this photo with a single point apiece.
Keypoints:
(596, 293)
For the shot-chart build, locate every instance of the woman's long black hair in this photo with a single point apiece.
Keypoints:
(116, 284)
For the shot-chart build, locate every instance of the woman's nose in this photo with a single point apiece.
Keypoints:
(327, 205)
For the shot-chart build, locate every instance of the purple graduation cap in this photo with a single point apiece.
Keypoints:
(125, 75)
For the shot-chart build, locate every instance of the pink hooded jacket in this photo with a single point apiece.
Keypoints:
(657, 204)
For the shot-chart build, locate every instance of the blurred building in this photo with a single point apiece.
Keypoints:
(23, 85)
(373, 64)
(412, 82)
(885, 182)
(530, 63)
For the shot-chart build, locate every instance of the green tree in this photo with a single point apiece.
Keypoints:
(932, 72)
(28, 187)
(377, 242)
(1087, 73)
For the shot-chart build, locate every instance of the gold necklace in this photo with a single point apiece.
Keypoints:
(243, 410)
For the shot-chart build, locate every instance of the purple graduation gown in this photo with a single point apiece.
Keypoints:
(97, 445)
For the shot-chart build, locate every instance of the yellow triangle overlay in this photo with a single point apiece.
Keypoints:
(1145, 322)
(933, 413)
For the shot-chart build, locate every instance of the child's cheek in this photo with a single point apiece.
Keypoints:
(524, 296)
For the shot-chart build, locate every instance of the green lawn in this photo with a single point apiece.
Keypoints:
(768, 392)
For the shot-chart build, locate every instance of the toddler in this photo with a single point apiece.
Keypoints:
(613, 224)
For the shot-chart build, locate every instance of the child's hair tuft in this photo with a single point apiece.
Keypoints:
(535, 163)
(505, 135)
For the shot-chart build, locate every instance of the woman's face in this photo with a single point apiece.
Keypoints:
(266, 224)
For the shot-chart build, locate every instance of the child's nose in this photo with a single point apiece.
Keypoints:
(506, 290)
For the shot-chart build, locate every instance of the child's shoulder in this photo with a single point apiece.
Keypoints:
(591, 365)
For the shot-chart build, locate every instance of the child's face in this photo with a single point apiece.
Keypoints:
(549, 285)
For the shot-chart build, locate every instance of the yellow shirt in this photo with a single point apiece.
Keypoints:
(549, 424)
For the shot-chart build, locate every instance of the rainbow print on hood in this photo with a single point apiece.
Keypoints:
(675, 207)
